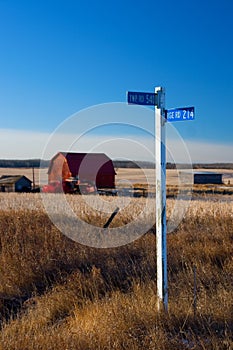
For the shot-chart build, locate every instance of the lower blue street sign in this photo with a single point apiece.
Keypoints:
(142, 98)
(180, 114)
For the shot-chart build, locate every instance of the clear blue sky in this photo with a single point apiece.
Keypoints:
(58, 57)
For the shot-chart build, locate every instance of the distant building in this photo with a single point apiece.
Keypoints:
(207, 178)
(94, 167)
(15, 183)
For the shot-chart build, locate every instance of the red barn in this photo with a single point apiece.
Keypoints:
(92, 167)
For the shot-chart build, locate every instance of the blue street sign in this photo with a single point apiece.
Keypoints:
(180, 114)
(142, 98)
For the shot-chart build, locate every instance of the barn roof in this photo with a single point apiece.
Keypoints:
(205, 173)
(201, 172)
(12, 179)
(90, 160)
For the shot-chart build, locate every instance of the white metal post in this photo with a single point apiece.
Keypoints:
(161, 239)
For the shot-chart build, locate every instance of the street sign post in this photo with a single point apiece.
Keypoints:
(157, 99)
(162, 116)
(161, 227)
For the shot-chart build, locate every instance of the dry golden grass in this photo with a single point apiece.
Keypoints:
(58, 294)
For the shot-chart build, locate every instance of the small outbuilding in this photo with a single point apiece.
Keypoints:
(207, 178)
(15, 183)
(92, 167)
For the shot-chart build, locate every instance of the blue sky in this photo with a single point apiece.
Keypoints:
(58, 57)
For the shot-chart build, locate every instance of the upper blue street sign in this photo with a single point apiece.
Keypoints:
(180, 114)
(142, 98)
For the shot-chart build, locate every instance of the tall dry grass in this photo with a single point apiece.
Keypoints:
(58, 294)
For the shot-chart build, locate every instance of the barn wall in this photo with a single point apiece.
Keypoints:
(7, 188)
(22, 185)
(105, 181)
(207, 178)
(59, 169)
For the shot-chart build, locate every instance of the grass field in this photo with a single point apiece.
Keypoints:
(57, 294)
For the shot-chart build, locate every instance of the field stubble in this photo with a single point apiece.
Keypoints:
(58, 294)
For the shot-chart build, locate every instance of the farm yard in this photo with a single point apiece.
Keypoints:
(59, 294)
(143, 178)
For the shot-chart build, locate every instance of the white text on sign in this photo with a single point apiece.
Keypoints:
(180, 114)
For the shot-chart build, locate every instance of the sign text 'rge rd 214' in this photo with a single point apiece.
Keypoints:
(180, 114)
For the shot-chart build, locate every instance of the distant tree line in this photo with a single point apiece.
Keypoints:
(23, 163)
(213, 166)
(200, 165)
(36, 163)
(169, 165)
(133, 164)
